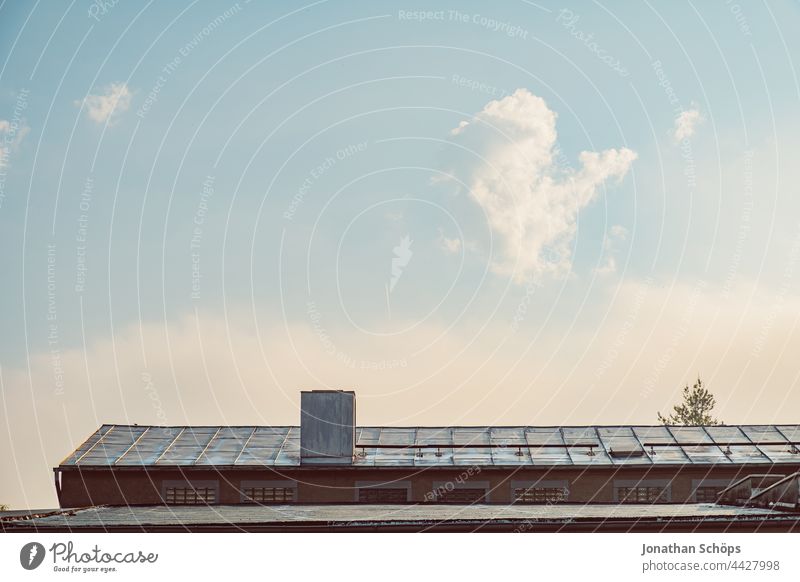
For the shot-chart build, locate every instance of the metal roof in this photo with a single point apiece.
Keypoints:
(279, 446)
(354, 516)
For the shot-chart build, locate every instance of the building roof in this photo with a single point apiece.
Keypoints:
(358, 516)
(259, 446)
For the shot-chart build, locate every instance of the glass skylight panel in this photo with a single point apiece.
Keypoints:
(289, 453)
(188, 446)
(470, 436)
(622, 445)
(369, 436)
(263, 446)
(547, 455)
(790, 431)
(652, 437)
(394, 457)
(690, 434)
(112, 445)
(727, 435)
(763, 434)
(705, 454)
(397, 436)
(509, 446)
(745, 454)
(149, 446)
(88, 444)
(780, 453)
(584, 455)
(434, 456)
(434, 436)
(225, 447)
(480, 456)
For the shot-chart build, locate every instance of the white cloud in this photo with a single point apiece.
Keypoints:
(616, 234)
(686, 124)
(449, 245)
(115, 99)
(530, 201)
(11, 135)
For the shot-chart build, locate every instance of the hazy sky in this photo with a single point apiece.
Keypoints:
(516, 213)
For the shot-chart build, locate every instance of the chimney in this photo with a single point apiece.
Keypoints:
(327, 427)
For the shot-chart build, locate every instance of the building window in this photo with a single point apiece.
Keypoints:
(707, 494)
(382, 495)
(191, 495)
(460, 495)
(268, 494)
(540, 495)
(640, 494)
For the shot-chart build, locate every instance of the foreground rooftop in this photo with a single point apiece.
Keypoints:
(355, 517)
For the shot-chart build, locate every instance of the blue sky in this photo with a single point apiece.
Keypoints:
(470, 213)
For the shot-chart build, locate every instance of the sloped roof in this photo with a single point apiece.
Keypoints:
(233, 446)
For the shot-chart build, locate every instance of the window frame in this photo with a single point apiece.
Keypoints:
(266, 484)
(193, 485)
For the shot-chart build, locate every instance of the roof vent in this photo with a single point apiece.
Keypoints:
(327, 427)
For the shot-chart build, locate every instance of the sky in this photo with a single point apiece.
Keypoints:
(469, 213)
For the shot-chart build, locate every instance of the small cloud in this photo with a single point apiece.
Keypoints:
(686, 123)
(460, 128)
(11, 135)
(449, 245)
(616, 234)
(115, 100)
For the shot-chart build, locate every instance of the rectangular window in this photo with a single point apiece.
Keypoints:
(706, 494)
(460, 495)
(268, 494)
(383, 495)
(191, 495)
(640, 494)
(540, 495)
